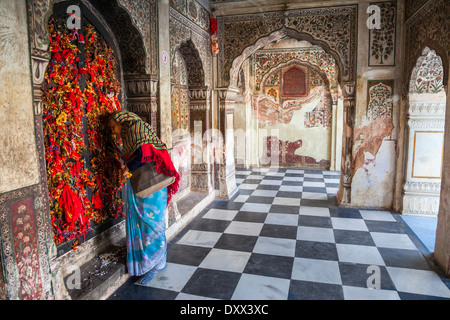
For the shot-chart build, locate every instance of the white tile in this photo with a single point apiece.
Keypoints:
(256, 207)
(314, 184)
(261, 169)
(200, 238)
(220, 214)
(349, 224)
(284, 219)
(241, 198)
(275, 174)
(239, 180)
(174, 277)
(332, 190)
(359, 254)
(424, 282)
(358, 293)
(271, 182)
(226, 260)
(243, 172)
(287, 201)
(265, 193)
(314, 211)
(377, 215)
(295, 171)
(275, 246)
(314, 196)
(315, 270)
(244, 228)
(256, 287)
(293, 179)
(330, 173)
(248, 186)
(291, 188)
(392, 240)
(315, 234)
(186, 296)
(331, 180)
(314, 175)
(255, 176)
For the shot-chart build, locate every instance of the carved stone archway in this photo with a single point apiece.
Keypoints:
(345, 57)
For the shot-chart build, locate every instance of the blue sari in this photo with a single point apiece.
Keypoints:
(146, 237)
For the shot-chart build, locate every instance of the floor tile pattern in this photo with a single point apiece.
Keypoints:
(283, 237)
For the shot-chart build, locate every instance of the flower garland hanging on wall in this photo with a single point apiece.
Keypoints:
(72, 179)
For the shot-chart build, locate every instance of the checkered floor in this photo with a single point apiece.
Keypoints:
(283, 237)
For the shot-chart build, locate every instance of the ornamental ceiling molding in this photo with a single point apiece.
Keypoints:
(333, 28)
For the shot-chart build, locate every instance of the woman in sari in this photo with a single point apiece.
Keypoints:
(146, 239)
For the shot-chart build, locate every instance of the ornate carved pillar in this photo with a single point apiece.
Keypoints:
(141, 92)
(200, 123)
(224, 157)
(344, 194)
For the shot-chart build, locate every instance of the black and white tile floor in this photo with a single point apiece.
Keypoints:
(282, 237)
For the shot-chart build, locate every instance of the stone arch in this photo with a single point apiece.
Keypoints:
(346, 79)
(275, 36)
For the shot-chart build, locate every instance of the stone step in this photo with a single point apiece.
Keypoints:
(100, 276)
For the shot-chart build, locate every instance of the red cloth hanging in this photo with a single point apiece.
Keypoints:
(72, 206)
(164, 165)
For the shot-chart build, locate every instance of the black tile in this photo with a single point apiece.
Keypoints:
(188, 255)
(289, 194)
(267, 177)
(306, 290)
(313, 179)
(270, 265)
(279, 231)
(214, 225)
(414, 296)
(225, 204)
(402, 258)
(359, 275)
(315, 189)
(268, 187)
(385, 226)
(292, 183)
(132, 291)
(314, 221)
(257, 199)
(236, 242)
(353, 237)
(288, 174)
(319, 203)
(316, 250)
(340, 212)
(250, 216)
(277, 208)
(212, 283)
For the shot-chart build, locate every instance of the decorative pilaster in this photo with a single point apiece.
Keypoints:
(224, 157)
(199, 115)
(344, 194)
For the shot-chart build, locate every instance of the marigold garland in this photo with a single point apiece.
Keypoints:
(72, 181)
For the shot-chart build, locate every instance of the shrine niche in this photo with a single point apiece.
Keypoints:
(295, 83)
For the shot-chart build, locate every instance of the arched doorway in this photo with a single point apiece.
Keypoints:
(426, 122)
(345, 67)
(294, 116)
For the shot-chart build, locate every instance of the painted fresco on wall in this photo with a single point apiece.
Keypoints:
(379, 99)
(382, 41)
(428, 75)
(293, 109)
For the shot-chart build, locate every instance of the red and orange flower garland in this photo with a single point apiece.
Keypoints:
(65, 107)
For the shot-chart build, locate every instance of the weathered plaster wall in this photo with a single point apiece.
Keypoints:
(18, 155)
(377, 104)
